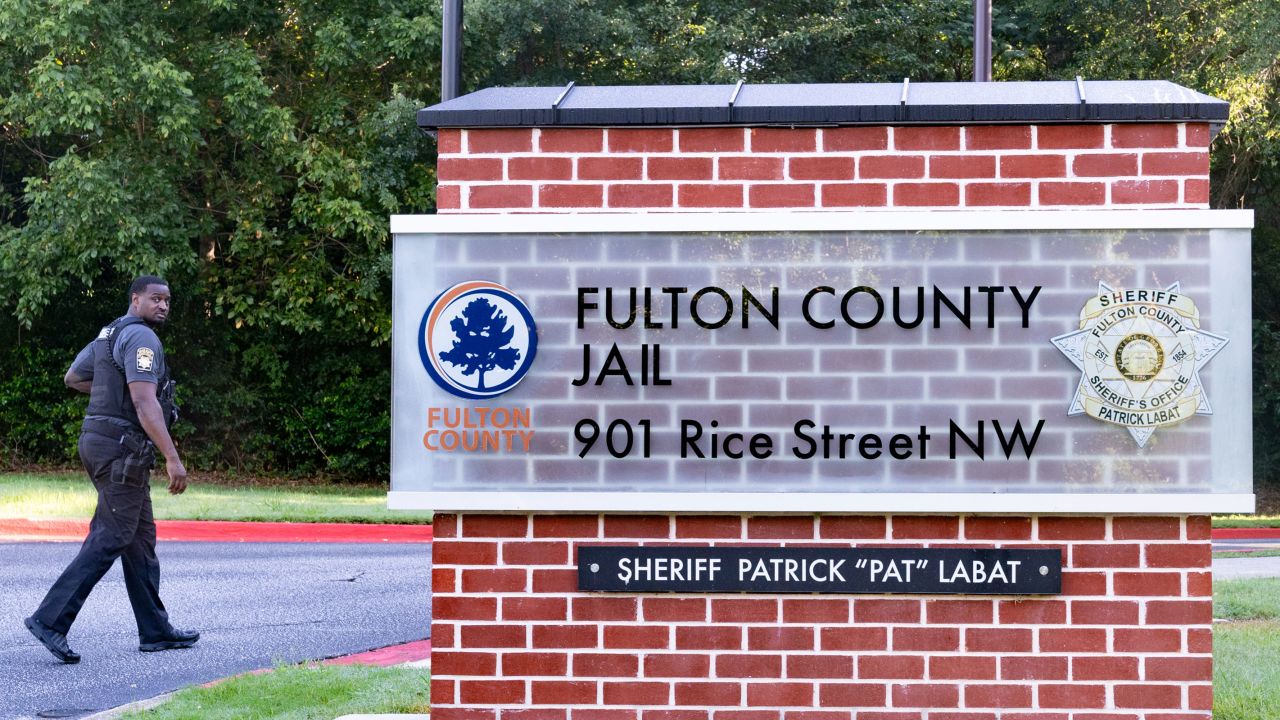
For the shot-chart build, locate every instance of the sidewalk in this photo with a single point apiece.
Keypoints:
(55, 529)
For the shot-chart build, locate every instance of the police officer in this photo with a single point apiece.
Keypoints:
(130, 411)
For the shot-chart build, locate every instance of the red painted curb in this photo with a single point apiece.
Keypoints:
(220, 531)
(1246, 533)
(382, 657)
(393, 655)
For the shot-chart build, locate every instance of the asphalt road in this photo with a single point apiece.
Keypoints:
(1235, 568)
(255, 605)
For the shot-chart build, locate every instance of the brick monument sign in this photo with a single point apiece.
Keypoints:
(823, 402)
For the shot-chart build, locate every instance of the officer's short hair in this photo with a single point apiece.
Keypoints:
(141, 282)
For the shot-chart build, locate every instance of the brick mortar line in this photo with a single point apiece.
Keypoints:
(865, 625)
(925, 714)
(1081, 570)
(1144, 570)
(825, 541)
(515, 210)
(1033, 684)
(957, 544)
(923, 625)
(821, 154)
(948, 654)
(746, 207)
(527, 516)
(817, 206)
(810, 624)
(815, 680)
(819, 183)
(990, 712)
(801, 623)
(632, 538)
(773, 540)
(800, 208)
(716, 155)
(1109, 707)
(818, 152)
(837, 653)
(872, 540)
(819, 133)
(1010, 682)
(490, 212)
(1036, 684)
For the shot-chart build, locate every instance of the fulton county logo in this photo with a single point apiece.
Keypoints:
(477, 340)
(1140, 352)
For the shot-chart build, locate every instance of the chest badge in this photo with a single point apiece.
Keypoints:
(1140, 353)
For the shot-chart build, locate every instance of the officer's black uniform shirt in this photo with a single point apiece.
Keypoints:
(137, 350)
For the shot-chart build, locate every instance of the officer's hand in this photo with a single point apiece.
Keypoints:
(177, 477)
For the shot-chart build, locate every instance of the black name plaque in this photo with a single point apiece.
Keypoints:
(964, 571)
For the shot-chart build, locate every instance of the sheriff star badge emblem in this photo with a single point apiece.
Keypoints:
(1140, 353)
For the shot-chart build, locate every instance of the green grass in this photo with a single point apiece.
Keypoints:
(1246, 521)
(300, 692)
(1246, 679)
(69, 495)
(1252, 599)
(1247, 554)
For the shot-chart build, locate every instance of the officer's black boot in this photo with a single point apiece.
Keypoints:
(175, 640)
(55, 642)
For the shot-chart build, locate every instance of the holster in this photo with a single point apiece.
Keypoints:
(134, 468)
(138, 456)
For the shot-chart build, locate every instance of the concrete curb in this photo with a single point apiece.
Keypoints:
(384, 717)
(59, 529)
(139, 705)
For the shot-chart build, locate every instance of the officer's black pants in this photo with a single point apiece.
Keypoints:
(122, 527)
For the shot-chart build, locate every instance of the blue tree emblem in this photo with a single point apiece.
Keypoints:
(481, 337)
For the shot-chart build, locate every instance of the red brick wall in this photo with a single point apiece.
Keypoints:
(1129, 638)
(696, 169)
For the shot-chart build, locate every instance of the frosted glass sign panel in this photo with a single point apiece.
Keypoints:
(629, 369)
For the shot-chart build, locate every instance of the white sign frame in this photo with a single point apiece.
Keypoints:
(1144, 503)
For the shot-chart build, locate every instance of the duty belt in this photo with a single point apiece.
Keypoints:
(132, 438)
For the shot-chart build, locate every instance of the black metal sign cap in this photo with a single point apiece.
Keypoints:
(820, 570)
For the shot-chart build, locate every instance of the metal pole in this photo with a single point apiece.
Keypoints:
(451, 51)
(982, 40)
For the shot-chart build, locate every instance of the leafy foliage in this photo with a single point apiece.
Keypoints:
(251, 152)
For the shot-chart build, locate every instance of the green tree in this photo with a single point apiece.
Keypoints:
(1230, 50)
(253, 150)
(250, 152)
